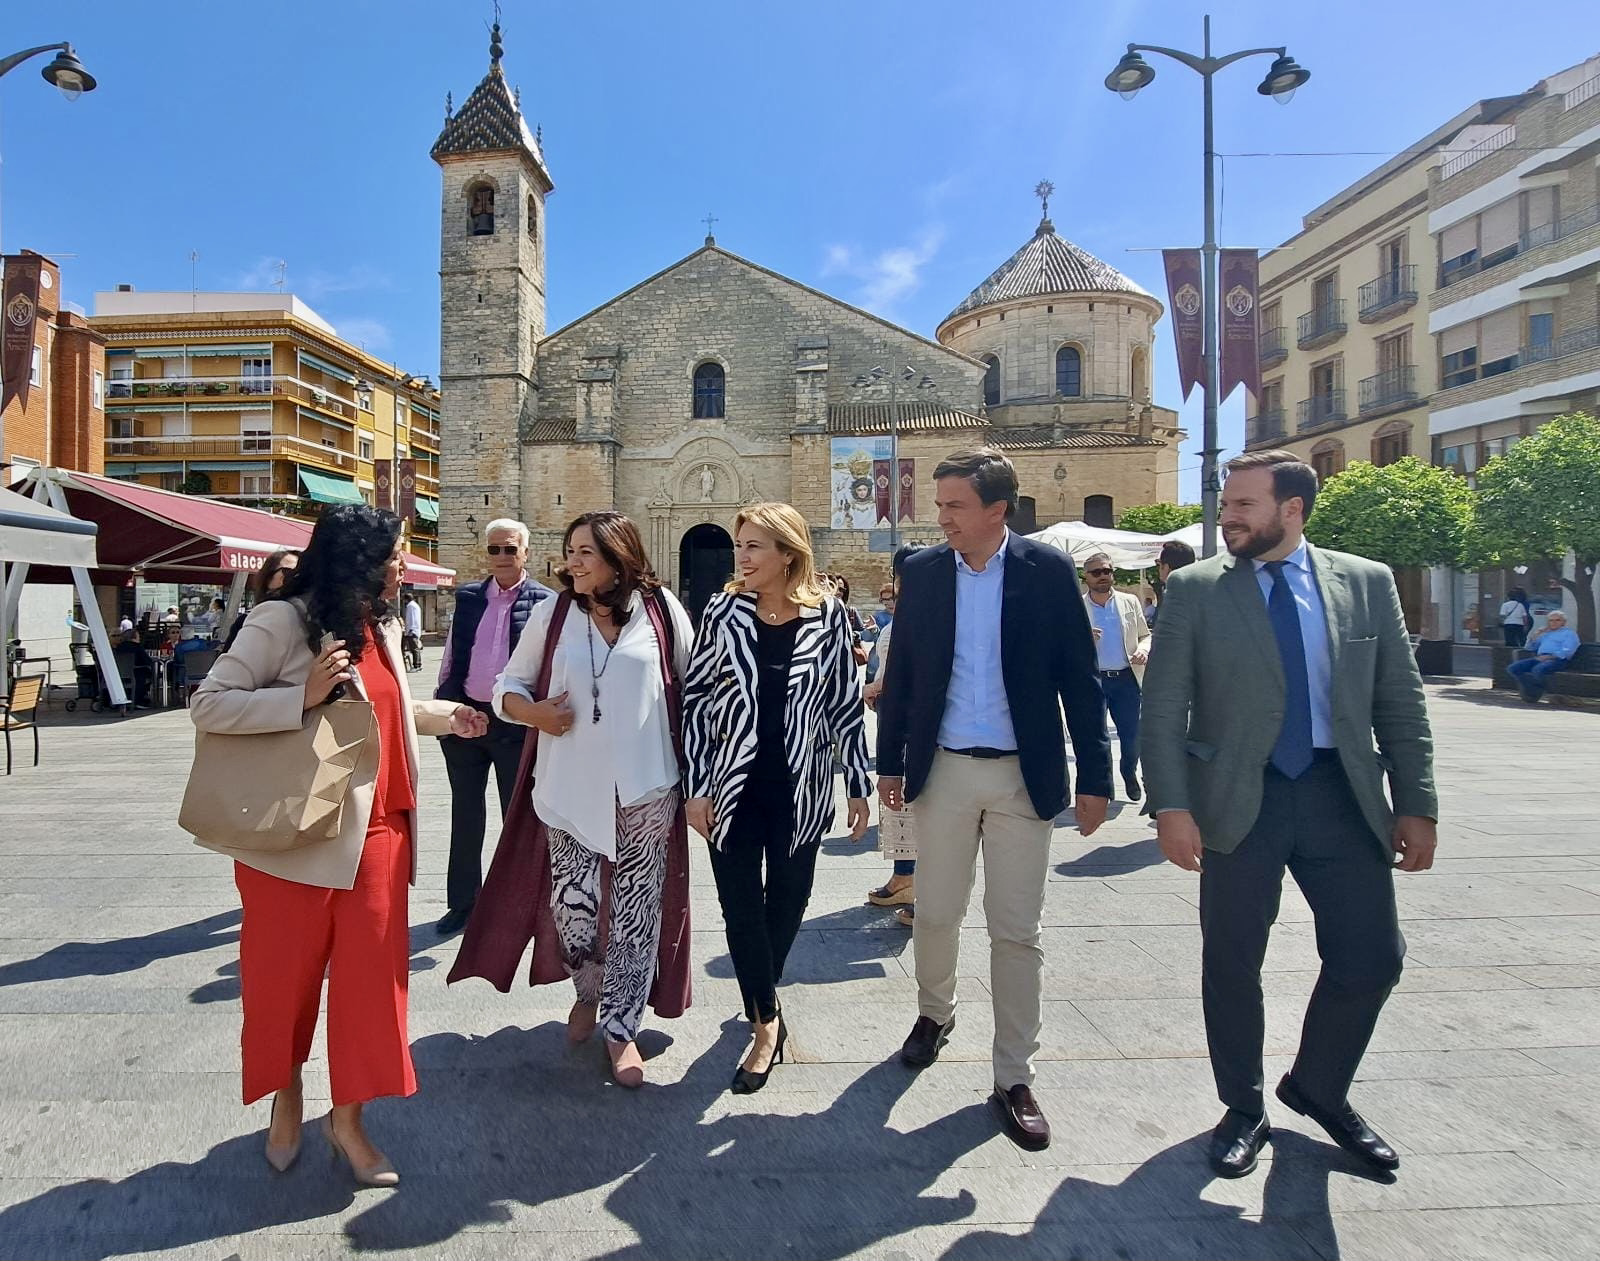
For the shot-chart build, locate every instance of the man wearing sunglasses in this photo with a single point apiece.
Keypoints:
(488, 622)
(1122, 644)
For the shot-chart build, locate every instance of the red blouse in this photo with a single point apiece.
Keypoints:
(392, 792)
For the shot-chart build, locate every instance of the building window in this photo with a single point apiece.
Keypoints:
(1541, 332)
(1327, 459)
(991, 381)
(36, 367)
(533, 218)
(255, 483)
(255, 376)
(1460, 367)
(97, 389)
(1098, 510)
(480, 210)
(710, 385)
(1453, 268)
(121, 427)
(1069, 372)
(364, 447)
(1391, 444)
(255, 434)
(1026, 518)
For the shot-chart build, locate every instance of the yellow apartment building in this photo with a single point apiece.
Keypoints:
(254, 398)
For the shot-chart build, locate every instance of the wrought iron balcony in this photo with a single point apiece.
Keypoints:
(1577, 221)
(1265, 426)
(1323, 325)
(1394, 388)
(1391, 293)
(1274, 345)
(1569, 343)
(1319, 410)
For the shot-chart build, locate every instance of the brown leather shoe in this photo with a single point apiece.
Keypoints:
(925, 1041)
(1021, 1118)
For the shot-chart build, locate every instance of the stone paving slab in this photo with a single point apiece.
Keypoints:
(125, 1138)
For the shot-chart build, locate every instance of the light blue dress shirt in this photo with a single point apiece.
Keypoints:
(1109, 648)
(1561, 643)
(977, 714)
(1314, 631)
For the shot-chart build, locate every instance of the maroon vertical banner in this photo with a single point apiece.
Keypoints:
(908, 490)
(383, 484)
(1185, 293)
(882, 487)
(1241, 351)
(21, 307)
(406, 487)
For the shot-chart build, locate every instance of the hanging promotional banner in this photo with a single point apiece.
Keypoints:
(1240, 345)
(1188, 315)
(21, 307)
(383, 484)
(406, 485)
(908, 490)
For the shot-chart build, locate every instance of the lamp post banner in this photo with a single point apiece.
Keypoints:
(21, 307)
(1185, 294)
(1238, 290)
(383, 484)
(405, 484)
(908, 490)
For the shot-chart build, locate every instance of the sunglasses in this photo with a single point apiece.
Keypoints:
(1097, 573)
(501, 549)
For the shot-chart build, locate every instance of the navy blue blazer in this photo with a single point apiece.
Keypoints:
(1047, 657)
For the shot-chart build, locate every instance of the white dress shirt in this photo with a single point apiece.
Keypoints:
(627, 757)
(1302, 582)
(977, 714)
(1111, 652)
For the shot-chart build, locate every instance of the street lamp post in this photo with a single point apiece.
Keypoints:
(1132, 74)
(871, 377)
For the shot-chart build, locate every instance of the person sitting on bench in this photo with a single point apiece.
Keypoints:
(1553, 649)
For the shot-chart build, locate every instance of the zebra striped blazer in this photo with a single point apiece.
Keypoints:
(823, 706)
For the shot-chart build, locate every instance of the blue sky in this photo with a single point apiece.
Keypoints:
(882, 150)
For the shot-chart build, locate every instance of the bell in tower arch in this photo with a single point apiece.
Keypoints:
(481, 213)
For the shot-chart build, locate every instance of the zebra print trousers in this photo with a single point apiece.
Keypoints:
(620, 981)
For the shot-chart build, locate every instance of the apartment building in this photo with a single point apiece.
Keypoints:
(1346, 361)
(1513, 313)
(254, 398)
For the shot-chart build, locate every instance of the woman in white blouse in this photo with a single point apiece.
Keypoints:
(607, 785)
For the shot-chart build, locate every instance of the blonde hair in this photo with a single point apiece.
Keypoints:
(793, 537)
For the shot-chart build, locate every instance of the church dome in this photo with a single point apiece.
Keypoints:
(1048, 264)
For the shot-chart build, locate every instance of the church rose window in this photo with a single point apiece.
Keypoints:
(1069, 372)
(991, 381)
(709, 383)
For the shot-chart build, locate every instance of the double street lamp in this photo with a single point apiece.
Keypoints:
(871, 377)
(1132, 74)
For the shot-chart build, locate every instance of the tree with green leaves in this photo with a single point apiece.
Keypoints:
(1404, 514)
(1541, 499)
(1158, 518)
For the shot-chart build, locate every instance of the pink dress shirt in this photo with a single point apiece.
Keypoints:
(491, 648)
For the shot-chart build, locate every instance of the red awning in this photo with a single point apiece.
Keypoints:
(162, 536)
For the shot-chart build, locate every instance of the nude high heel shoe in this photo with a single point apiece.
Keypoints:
(381, 1174)
(627, 1065)
(280, 1155)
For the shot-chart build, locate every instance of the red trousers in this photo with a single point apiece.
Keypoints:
(294, 933)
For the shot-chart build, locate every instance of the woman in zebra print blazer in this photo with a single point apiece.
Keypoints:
(772, 686)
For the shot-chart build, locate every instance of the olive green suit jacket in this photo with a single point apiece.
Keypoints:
(1214, 696)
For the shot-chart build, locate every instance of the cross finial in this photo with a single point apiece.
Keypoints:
(710, 220)
(1043, 190)
(449, 106)
(496, 48)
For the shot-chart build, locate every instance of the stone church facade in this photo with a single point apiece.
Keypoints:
(717, 382)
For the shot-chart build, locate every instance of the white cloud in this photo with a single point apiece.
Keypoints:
(369, 334)
(884, 278)
(315, 284)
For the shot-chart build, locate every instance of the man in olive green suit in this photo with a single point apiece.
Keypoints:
(1275, 668)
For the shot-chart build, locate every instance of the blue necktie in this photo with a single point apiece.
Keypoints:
(1292, 752)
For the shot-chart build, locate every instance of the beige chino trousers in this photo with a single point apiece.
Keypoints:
(971, 804)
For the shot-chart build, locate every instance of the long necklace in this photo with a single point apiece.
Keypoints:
(596, 675)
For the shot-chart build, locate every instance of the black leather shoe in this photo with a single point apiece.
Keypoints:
(1021, 1118)
(1344, 1125)
(1236, 1142)
(454, 921)
(1131, 783)
(926, 1040)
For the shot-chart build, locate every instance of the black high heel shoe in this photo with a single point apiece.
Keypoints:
(746, 1082)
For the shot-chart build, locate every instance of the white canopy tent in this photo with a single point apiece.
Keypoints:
(1128, 549)
(34, 533)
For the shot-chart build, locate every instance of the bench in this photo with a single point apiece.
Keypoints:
(1580, 678)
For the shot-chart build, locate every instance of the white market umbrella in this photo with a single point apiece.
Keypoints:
(1127, 549)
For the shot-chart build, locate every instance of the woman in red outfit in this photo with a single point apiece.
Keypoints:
(336, 907)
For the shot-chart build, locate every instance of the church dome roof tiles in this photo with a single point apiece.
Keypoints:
(490, 120)
(1047, 264)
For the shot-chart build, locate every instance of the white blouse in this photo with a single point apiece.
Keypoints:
(624, 758)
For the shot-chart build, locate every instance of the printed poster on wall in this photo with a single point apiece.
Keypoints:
(862, 485)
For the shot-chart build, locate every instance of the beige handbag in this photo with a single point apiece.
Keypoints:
(275, 791)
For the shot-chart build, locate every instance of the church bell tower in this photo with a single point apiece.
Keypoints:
(491, 292)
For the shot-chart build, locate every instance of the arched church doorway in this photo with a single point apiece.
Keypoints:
(705, 563)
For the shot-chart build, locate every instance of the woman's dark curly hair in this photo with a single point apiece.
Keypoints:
(617, 538)
(340, 575)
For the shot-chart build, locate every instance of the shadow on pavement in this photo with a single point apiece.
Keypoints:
(1111, 860)
(845, 945)
(124, 954)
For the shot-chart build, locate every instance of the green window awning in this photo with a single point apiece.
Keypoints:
(327, 489)
(427, 509)
(326, 368)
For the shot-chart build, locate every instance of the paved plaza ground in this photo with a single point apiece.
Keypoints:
(121, 1132)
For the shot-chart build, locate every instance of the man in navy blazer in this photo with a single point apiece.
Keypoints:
(991, 643)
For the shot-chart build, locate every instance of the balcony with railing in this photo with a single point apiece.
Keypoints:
(1575, 97)
(1387, 296)
(1557, 229)
(204, 447)
(1388, 391)
(1264, 427)
(1320, 410)
(180, 391)
(1492, 143)
(1273, 345)
(1322, 325)
(1569, 343)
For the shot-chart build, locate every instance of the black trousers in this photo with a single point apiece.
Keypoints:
(1312, 826)
(762, 920)
(468, 763)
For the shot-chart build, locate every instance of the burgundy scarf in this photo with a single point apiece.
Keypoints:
(513, 907)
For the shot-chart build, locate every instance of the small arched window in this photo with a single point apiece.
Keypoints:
(1139, 373)
(1098, 511)
(1327, 459)
(480, 210)
(991, 381)
(533, 218)
(1069, 372)
(710, 384)
(1026, 518)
